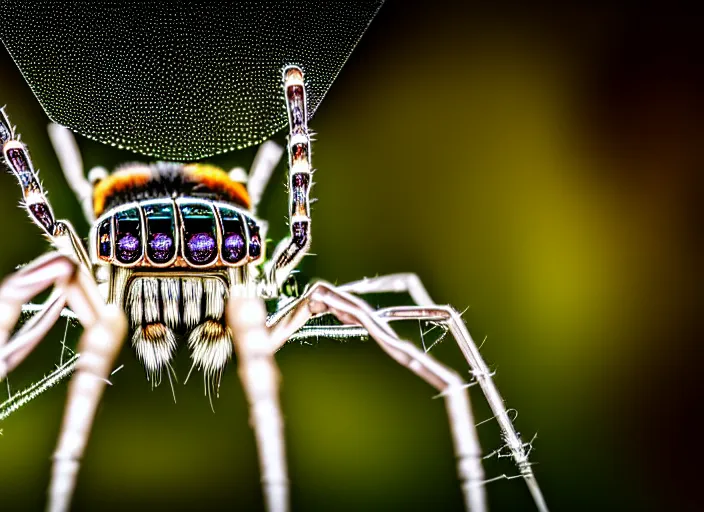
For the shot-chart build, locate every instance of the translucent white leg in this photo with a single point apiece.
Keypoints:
(323, 298)
(258, 371)
(429, 311)
(105, 328)
(72, 164)
(265, 161)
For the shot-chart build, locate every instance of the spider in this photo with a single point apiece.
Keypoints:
(176, 250)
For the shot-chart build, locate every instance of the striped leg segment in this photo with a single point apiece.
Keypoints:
(292, 249)
(323, 298)
(60, 232)
(427, 310)
(255, 349)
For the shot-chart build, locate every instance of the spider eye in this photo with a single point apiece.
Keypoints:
(105, 239)
(161, 229)
(199, 233)
(234, 241)
(128, 246)
(255, 240)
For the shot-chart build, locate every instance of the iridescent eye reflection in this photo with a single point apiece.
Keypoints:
(201, 247)
(234, 247)
(234, 243)
(160, 247)
(129, 234)
(199, 232)
(128, 247)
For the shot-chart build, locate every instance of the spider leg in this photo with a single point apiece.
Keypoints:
(393, 283)
(428, 310)
(71, 164)
(105, 327)
(98, 349)
(452, 319)
(324, 298)
(18, 288)
(263, 166)
(292, 249)
(61, 233)
(258, 371)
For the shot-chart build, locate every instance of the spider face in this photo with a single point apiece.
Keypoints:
(174, 216)
(169, 243)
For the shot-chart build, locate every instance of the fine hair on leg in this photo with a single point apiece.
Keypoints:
(427, 310)
(322, 298)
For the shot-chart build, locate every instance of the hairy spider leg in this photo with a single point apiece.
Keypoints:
(322, 298)
(60, 232)
(292, 249)
(428, 310)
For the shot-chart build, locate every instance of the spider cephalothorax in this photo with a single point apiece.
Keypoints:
(169, 242)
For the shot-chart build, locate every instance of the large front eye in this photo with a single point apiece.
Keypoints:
(161, 231)
(128, 243)
(199, 233)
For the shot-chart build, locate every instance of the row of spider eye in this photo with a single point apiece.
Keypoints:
(156, 228)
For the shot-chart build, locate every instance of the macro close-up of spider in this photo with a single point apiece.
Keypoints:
(176, 249)
(235, 311)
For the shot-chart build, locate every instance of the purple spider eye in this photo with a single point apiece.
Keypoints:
(161, 228)
(160, 248)
(129, 236)
(128, 243)
(201, 248)
(234, 245)
(199, 230)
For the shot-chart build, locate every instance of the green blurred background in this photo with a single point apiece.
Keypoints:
(543, 170)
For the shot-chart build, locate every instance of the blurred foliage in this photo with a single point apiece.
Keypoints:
(543, 171)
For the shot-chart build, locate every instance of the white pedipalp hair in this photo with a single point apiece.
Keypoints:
(151, 300)
(171, 300)
(192, 297)
(134, 303)
(211, 349)
(215, 297)
(155, 345)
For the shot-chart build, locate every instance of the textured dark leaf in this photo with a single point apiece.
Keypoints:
(179, 80)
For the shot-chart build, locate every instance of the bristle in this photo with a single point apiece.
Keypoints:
(135, 303)
(192, 296)
(171, 300)
(211, 348)
(155, 345)
(215, 296)
(151, 300)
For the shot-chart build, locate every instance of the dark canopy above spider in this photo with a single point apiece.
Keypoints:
(181, 80)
